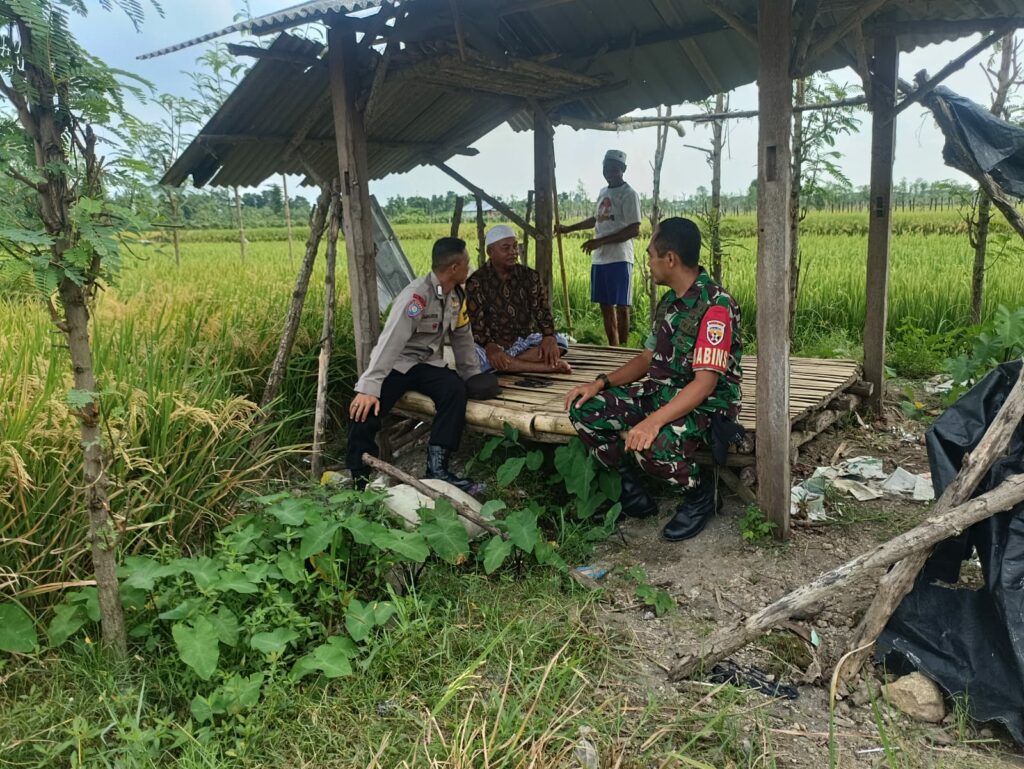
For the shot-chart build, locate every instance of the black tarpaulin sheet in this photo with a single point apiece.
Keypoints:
(970, 641)
(991, 145)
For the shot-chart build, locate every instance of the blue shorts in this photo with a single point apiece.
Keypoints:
(612, 283)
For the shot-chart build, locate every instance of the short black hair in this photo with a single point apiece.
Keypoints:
(446, 252)
(679, 235)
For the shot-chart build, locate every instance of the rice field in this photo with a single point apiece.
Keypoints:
(181, 355)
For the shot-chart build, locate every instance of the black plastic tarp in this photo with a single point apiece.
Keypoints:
(970, 641)
(990, 144)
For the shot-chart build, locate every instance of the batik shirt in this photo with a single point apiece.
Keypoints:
(699, 331)
(503, 311)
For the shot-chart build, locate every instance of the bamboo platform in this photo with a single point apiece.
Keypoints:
(821, 390)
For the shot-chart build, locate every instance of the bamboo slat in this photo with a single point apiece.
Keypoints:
(539, 414)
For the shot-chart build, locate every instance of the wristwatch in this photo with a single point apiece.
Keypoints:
(605, 384)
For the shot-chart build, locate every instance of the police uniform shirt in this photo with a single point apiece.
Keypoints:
(414, 333)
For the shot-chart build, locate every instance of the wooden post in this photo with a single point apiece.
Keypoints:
(561, 257)
(353, 167)
(287, 214)
(715, 236)
(526, 236)
(326, 342)
(543, 161)
(481, 252)
(883, 143)
(457, 216)
(291, 323)
(241, 224)
(775, 104)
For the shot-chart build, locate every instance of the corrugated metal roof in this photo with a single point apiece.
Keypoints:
(302, 13)
(584, 59)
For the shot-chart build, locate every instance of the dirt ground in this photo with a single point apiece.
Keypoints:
(717, 578)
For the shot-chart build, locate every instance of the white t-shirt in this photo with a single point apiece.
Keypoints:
(617, 207)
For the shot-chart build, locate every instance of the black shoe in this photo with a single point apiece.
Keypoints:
(360, 477)
(692, 516)
(438, 458)
(636, 501)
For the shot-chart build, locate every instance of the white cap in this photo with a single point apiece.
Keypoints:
(617, 155)
(498, 232)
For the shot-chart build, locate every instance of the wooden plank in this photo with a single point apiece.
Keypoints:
(354, 177)
(775, 102)
(479, 193)
(883, 143)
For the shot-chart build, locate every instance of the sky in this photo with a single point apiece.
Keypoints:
(504, 165)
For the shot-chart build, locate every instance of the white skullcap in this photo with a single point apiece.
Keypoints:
(617, 155)
(498, 232)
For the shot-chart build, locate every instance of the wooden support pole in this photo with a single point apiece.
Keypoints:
(481, 251)
(543, 162)
(843, 28)
(900, 579)
(732, 637)
(883, 149)
(775, 102)
(526, 238)
(291, 321)
(561, 254)
(353, 167)
(326, 342)
(479, 193)
(287, 214)
(457, 216)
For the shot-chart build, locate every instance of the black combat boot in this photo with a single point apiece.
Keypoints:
(636, 501)
(360, 478)
(438, 458)
(692, 515)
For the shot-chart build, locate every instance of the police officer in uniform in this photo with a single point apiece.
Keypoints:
(409, 356)
(671, 397)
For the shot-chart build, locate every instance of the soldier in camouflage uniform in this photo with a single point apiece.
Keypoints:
(665, 397)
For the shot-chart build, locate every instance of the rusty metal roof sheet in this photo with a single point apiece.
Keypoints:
(584, 59)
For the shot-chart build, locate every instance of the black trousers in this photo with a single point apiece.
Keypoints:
(442, 385)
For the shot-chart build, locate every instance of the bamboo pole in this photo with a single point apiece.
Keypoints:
(561, 254)
(326, 341)
(287, 214)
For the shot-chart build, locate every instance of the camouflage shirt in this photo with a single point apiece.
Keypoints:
(699, 330)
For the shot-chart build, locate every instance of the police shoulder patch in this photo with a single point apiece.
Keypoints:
(415, 307)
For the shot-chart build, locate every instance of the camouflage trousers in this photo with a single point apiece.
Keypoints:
(602, 422)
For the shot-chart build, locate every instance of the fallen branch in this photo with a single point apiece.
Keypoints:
(460, 508)
(727, 640)
(900, 579)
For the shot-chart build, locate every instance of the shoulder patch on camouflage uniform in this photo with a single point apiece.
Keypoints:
(415, 307)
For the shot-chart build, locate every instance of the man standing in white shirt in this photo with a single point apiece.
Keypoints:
(616, 221)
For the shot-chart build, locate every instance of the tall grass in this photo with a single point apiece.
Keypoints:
(180, 356)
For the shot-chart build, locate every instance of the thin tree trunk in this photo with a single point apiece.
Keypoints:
(291, 322)
(980, 250)
(241, 224)
(103, 535)
(661, 139)
(1004, 80)
(326, 341)
(794, 202)
(287, 214)
(715, 214)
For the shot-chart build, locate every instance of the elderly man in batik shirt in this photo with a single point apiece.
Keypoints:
(510, 313)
